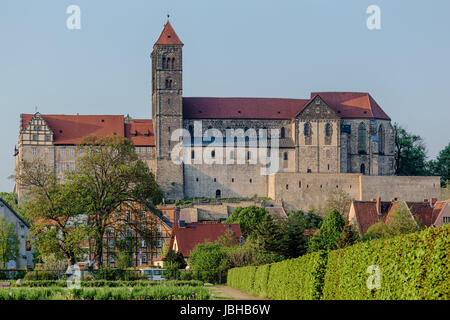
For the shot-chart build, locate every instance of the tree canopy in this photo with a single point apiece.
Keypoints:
(248, 218)
(9, 242)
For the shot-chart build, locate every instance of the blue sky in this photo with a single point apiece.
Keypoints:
(252, 48)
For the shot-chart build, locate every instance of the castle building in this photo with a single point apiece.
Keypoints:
(331, 140)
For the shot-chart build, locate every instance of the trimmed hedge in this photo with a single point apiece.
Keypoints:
(413, 266)
(295, 279)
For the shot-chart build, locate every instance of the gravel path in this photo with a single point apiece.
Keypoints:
(225, 292)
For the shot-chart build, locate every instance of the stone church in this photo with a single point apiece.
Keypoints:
(331, 140)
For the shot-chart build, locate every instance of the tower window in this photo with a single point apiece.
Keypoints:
(213, 154)
(328, 130)
(168, 83)
(283, 133)
(192, 154)
(381, 140)
(285, 156)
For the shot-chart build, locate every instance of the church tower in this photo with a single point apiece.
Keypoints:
(167, 109)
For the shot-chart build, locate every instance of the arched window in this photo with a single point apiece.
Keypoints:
(168, 83)
(381, 140)
(363, 168)
(283, 133)
(328, 130)
(306, 130)
(218, 193)
(362, 138)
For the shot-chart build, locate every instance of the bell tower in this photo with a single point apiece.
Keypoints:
(167, 109)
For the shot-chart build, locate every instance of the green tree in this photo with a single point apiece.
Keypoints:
(330, 231)
(109, 174)
(248, 218)
(293, 240)
(209, 259)
(410, 153)
(269, 235)
(9, 242)
(403, 222)
(58, 225)
(349, 237)
(11, 199)
(441, 166)
(378, 230)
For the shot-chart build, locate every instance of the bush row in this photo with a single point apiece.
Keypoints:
(295, 279)
(136, 293)
(106, 283)
(410, 266)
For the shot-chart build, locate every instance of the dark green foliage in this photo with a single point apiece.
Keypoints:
(329, 233)
(349, 237)
(268, 234)
(294, 279)
(174, 261)
(413, 266)
(210, 260)
(441, 166)
(293, 240)
(248, 218)
(410, 153)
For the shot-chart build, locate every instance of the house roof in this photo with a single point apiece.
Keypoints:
(196, 233)
(14, 212)
(168, 36)
(71, 129)
(353, 104)
(367, 215)
(345, 104)
(141, 132)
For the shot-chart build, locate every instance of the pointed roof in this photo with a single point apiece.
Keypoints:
(168, 36)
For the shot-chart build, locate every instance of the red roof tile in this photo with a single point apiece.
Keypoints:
(168, 36)
(141, 132)
(345, 104)
(352, 104)
(366, 213)
(241, 108)
(70, 129)
(193, 234)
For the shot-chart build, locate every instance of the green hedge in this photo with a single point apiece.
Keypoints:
(412, 267)
(294, 279)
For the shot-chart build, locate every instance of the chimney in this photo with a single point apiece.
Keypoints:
(433, 202)
(379, 206)
(176, 217)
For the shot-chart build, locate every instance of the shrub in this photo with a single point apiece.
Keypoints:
(41, 275)
(413, 266)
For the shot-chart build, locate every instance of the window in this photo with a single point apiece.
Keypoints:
(446, 219)
(285, 156)
(250, 180)
(34, 151)
(381, 140)
(47, 138)
(34, 137)
(159, 243)
(213, 154)
(362, 138)
(249, 155)
(72, 152)
(192, 154)
(283, 133)
(111, 243)
(63, 151)
(287, 187)
(231, 155)
(143, 244)
(232, 179)
(299, 184)
(306, 130)
(362, 168)
(328, 130)
(63, 167)
(168, 83)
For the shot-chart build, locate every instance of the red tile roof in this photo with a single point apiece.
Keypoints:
(366, 213)
(345, 104)
(71, 129)
(423, 211)
(241, 108)
(141, 132)
(353, 104)
(168, 36)
(196, 233)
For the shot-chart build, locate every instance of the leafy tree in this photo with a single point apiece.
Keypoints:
(9, 242)
(441, 166)
(330, 231)
(55, 210)
(378, 230)
(209, 258)
(11, 199)
(173, 262)
(248, 218)
(109, 174)
(251, 254)
(402, 222)
(338, 200)
(410, 153)
(293, 241)
(348, 237)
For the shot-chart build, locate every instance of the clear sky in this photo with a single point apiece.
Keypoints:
(240, 48)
